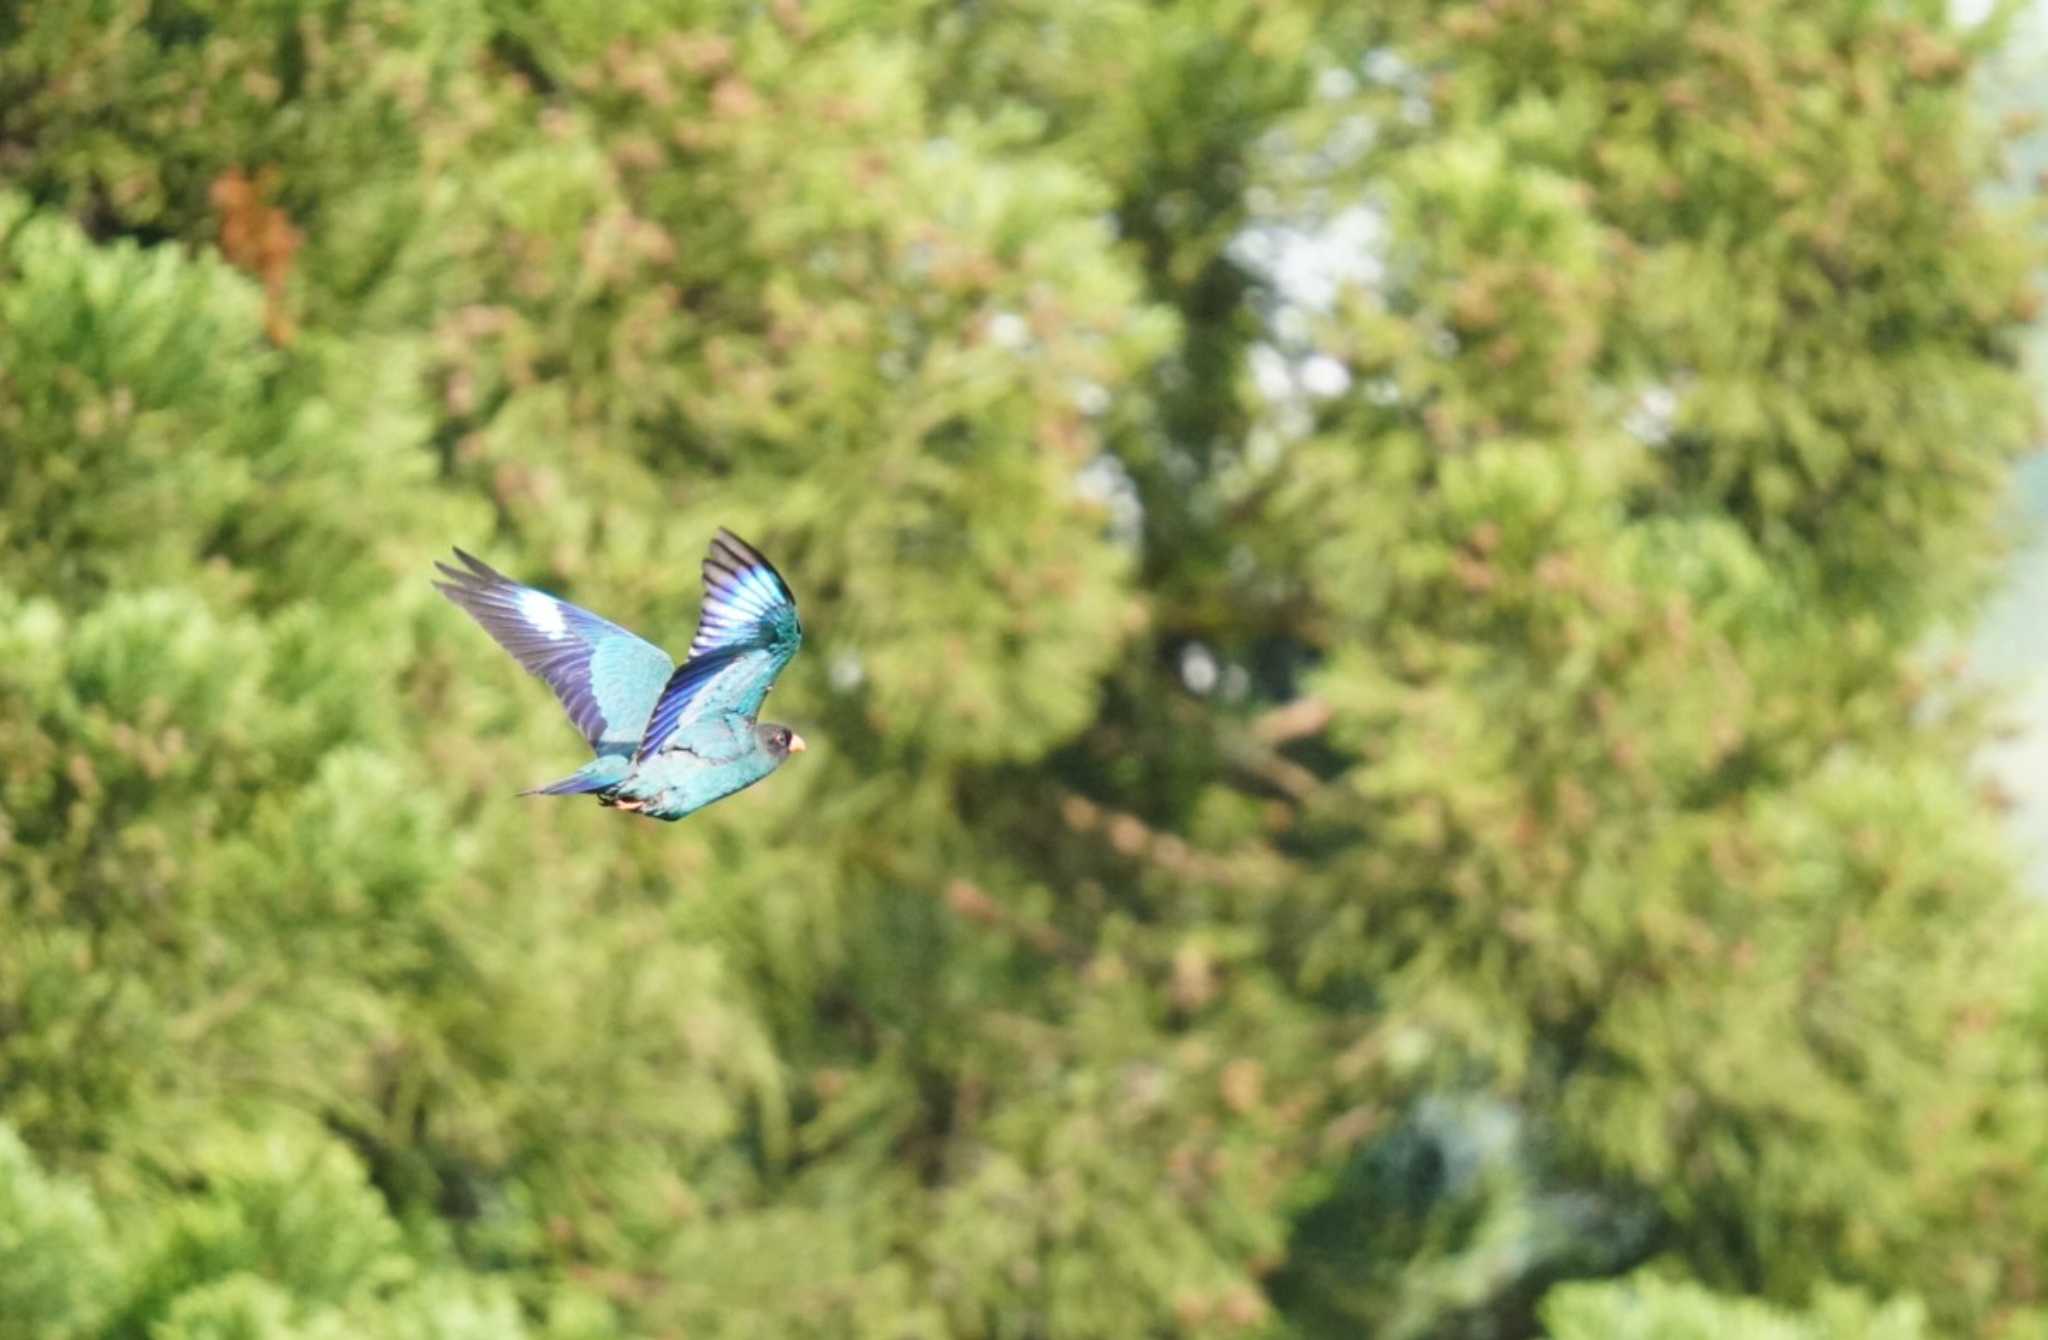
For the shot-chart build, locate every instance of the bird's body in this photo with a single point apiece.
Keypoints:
(708, 761)
(669, 739)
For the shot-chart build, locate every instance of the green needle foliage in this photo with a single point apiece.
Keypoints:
(1368, 576)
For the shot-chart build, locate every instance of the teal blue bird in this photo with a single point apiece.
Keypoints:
(669, 738)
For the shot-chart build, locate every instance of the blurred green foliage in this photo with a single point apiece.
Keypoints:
(1367, 574)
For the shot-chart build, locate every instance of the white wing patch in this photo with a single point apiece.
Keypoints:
(543, 614)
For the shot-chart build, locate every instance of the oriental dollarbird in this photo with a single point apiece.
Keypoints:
(669, 738)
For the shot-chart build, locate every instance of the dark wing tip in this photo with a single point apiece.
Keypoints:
(466, 573)
(479, 568)
(730, 549)
(474, 578)
(729, 556)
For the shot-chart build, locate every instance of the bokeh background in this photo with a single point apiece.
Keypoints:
(1422, 670)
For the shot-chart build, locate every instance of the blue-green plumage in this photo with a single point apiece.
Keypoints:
(669, 739)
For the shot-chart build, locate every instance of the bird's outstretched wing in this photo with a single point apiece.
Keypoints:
(607, 679)
(746, 634)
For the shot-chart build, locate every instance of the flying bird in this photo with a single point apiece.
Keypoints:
(669, 739)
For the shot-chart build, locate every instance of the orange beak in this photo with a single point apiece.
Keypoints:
(796, 743)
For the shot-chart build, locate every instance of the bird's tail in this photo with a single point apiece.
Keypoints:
(600, 774)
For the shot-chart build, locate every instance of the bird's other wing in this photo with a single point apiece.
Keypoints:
(747, 633)
(746, 602)
(607, 679)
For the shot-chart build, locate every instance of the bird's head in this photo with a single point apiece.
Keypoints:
(779, 741)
